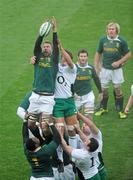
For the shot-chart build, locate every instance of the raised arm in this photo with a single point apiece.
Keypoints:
(90, 123)
(37, 47)
(83, 137)
(66, 55)
(68, 149)
(55, 41)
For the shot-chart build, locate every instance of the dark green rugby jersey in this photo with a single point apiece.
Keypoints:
(45, 68)
(41, 160)
(83, 82)
(44, 75)
(112, 50)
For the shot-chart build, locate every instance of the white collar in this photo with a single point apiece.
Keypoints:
(115, 39)
(86, 65)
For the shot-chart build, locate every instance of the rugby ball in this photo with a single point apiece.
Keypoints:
(45, 28)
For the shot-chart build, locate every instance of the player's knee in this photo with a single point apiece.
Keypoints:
(118, 92)
(88, 111)
(70, 127)
(105, 93)
(59, 124)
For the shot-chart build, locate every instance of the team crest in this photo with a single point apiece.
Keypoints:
(41, 59)
(117, 45)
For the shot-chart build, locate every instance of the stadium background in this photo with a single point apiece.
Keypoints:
(80, 24)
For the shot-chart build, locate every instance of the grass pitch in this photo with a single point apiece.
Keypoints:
(80, 24)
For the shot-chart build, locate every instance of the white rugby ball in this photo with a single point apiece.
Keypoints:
(45, 28)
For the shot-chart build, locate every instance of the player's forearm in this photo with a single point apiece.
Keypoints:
(37, 48)
(55, 48)
(88, 121)
(67, 57)
(81, 134)
(125, 58)
(68, 149)
(97, 62)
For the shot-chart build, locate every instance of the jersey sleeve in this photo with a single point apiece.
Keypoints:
(124, 47)
(25, 132)
(49, 149)
(25, 102)
(55, 48)
(78, 154)
(37, 47)
(100, 46)
(74, 68)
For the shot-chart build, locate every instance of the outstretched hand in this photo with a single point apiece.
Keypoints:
(54, 24)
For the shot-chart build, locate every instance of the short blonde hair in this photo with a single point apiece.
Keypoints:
(117, 26)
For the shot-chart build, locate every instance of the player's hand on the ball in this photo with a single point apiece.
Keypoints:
(33, 60)
(54, 24)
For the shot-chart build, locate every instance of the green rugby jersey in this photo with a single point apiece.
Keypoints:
(41, 160)
(83, 82)
(112, 50)
(45, 68)
(44, 75)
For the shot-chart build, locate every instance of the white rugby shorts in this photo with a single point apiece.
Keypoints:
(115, 76)
(86, 101)
(41, 103)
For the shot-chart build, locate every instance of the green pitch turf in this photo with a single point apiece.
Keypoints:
(80, 24)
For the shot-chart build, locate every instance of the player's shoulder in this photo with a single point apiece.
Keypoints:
(122, 39)
(103, 38)
(90, 66)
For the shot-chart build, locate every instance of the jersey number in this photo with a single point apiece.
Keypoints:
(35, 160)
(92, 162)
